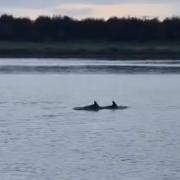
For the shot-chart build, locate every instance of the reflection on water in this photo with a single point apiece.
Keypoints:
(42, 137)
(88, 66)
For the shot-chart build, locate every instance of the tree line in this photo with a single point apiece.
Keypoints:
(64, 28)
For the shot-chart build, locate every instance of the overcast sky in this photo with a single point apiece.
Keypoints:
(93, 8)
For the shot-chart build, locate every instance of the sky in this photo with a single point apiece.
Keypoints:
(94, 8)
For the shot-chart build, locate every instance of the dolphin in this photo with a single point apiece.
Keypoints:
(93, 107)
(96, 107)
(114, 106)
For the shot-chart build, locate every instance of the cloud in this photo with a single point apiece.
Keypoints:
(21, 12)
(75, 10)
(97, 8)
(53, 3)
(120, 10)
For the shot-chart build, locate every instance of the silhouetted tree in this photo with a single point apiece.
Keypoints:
(64, 28)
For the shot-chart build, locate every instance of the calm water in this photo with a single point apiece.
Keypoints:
(43, 138)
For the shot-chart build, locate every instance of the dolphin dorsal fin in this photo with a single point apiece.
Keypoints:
(114, 104)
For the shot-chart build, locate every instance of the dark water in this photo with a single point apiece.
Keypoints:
(87, 66)
(42, 137)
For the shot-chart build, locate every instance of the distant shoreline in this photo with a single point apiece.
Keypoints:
(92, 50)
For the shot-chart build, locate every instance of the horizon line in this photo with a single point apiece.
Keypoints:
(91, 17)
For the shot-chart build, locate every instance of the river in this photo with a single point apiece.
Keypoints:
(43, 138)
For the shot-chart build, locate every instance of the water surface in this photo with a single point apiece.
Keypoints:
(42, 137)
(88, 66)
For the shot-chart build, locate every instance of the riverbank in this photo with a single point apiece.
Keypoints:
(98, 50)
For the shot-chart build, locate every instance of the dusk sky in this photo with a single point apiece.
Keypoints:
(93, 8)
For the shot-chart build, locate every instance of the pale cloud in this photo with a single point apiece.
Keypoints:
(53, 3)
(75, 10)
(97, 8)
(120, 10)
